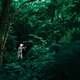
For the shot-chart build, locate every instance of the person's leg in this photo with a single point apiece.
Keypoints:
(21, 56)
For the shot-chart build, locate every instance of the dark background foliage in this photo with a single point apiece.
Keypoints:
(50, 29)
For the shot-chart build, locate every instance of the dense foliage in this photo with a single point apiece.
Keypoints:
(51, 31)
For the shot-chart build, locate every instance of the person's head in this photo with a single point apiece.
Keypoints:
(21, 45)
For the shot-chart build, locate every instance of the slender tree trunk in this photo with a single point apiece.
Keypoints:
(4, 25)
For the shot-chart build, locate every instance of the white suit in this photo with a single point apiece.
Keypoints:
(19, 53)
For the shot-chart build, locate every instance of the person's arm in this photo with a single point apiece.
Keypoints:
(24, 47)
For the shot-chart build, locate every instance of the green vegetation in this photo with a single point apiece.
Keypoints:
(51, 31)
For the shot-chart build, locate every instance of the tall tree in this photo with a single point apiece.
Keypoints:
(4, 25)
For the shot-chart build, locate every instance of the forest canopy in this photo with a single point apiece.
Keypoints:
(50, 32)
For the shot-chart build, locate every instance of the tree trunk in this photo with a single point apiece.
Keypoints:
(4, 26)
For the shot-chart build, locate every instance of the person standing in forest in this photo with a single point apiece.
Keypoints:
(20, 51)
